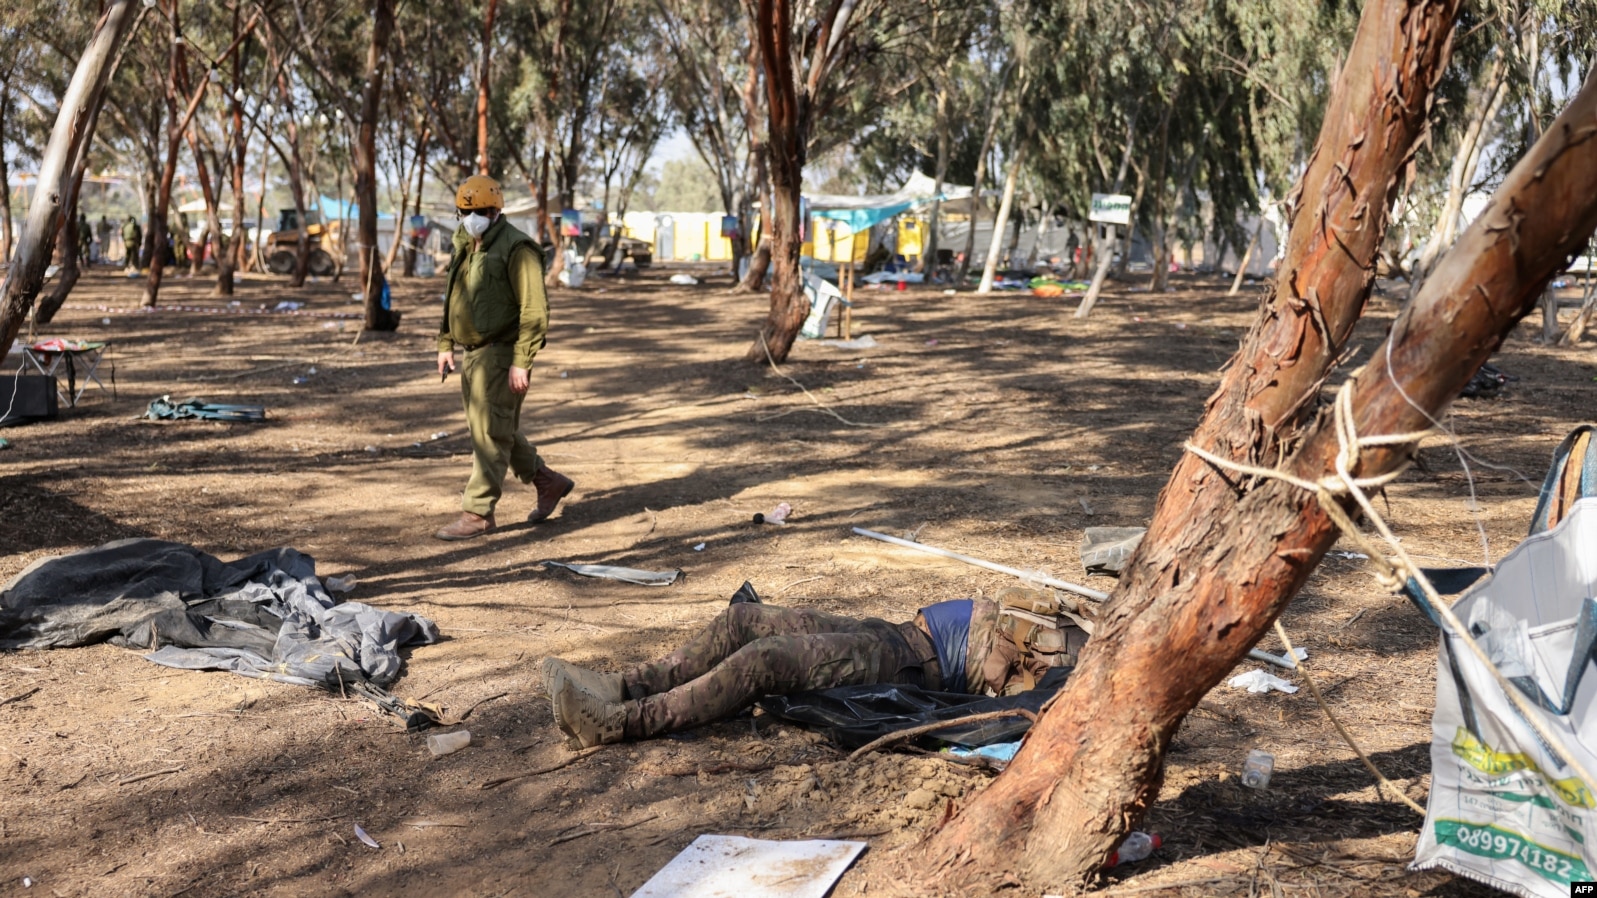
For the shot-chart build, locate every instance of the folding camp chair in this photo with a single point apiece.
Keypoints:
(52, 358)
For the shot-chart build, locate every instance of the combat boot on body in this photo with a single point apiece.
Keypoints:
(558, 675)
(551, 487)
(467, 526)
(587, 718)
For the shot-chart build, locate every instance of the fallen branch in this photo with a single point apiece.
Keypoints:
(922, 730)
(129, 780)
(18, 698)
(491, 784)
(600, 827)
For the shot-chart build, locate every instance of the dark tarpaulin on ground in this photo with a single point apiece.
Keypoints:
(852, 716)
(265, 616)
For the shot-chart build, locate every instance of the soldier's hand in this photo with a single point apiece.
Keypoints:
(519, 380)
(446, 364)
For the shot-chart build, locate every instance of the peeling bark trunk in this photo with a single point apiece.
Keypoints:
(1001, 220)
(379, 316)
(788, 132)
(1212, 573)
(25, 277)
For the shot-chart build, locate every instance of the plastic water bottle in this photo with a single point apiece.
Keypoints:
(1136, 847)
(1257, 768)
(448, 743)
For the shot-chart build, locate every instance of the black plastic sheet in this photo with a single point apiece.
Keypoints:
(852, 716)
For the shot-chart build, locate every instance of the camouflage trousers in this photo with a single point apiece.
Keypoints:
(750, 651)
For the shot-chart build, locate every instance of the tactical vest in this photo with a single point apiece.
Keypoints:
(484, 309)
(1043, 624)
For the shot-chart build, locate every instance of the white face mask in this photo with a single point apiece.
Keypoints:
(476, 223)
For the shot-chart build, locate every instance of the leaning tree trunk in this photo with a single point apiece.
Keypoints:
(786, 138)
(379, 315)
(25, 277)
(1189, 607)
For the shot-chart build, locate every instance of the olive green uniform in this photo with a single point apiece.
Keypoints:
(495, 307)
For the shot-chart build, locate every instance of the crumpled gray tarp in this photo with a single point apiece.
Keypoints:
(264, 616)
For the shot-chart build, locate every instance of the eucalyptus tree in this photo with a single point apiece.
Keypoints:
(1499, 94)
(68, 139)
(828, 70)
(1225, 552)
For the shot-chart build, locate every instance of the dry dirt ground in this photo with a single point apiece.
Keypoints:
(996, 426)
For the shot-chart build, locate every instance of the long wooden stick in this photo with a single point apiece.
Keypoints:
(912, 732)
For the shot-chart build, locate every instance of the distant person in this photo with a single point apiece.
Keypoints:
(496, 309)
(132, 243)
(180, 239)
(102, 234)
(85, 239)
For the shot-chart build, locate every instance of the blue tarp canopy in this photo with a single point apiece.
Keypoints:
(859, 213)
(332, 210)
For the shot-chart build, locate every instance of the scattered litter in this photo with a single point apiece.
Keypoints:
(1486, 382)
(438, 435)
(164, 409)
(372, 449)
(699, 547)
(361, 835)
(865, 342)
(778, 515)
(105, 321)
(623, 574)
(931, 342)
(1138, 846)
(735, 867)
(905, 277)
(564, 374)
(288, 306)
(4, 444)
(442, 744)
(1289, 662)
(1351, 556)
(1259, 681)
(339, 584)
(27, 882)
(684, 280)
(1000, 751)
(949, 292)
(1257, 768)
(302, 380)
(1105, 550)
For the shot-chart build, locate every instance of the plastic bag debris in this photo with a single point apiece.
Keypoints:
(1105, 550)
(623, 574)
(684, 280)
(1259, 681)
(361, 835)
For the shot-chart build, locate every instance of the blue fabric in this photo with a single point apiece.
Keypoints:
(950, 626)
(859, 220)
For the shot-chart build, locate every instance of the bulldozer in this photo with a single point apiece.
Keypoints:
(278, 250)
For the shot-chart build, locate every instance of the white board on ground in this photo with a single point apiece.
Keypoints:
(735, 867)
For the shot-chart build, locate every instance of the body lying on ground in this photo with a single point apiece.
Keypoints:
(753, 650)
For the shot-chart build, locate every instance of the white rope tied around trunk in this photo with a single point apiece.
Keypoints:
(1393, 572)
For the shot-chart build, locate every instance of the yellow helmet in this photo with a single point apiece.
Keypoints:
(479, 192)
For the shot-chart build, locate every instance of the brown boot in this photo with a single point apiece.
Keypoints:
(558, 674)
(587, 718)
(552, 487)
(467, 526)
